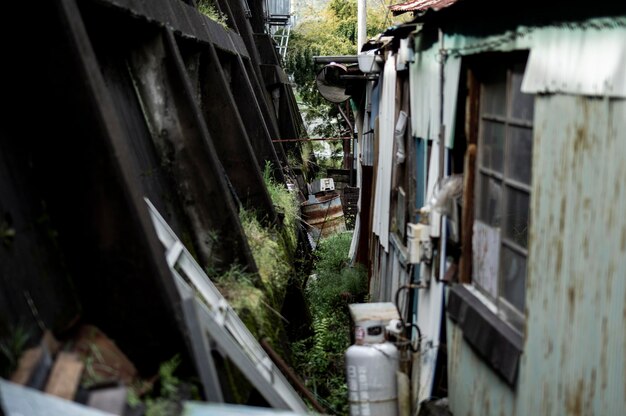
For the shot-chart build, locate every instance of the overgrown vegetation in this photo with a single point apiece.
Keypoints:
(329, 32)
(286, 204)
(334, 285)
(167, 398)
(208, 8)
(12, 347)
(273, 249)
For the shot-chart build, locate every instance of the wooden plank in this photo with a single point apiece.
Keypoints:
(467, 216)
(50, 342)
(26, 365)
(467, 219)
(65, 376)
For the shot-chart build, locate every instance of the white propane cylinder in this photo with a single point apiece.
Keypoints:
(372, 383)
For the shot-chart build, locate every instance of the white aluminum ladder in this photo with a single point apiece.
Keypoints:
(212, 322)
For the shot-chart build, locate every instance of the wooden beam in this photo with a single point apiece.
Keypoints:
(65, 376)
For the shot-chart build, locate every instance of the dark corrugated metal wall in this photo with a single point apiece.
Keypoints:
(123, 100)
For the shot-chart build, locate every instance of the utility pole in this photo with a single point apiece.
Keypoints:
(361, 25)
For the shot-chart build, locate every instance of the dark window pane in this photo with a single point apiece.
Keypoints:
(516, 218)
(519, 158)
(522, 105)
(494, 95)
(513, 277)
(490, 196)
(492, 148)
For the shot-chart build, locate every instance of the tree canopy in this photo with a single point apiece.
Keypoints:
(331, 31)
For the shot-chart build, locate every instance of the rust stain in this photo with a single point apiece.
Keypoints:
(604, 369)
(622, 244)
(592, 392)
(546, 403)
(571, 301)
(486, 404)
(609, 279)
(549, 349)
(624, 343)
(559, 257)
(574, 399)
(611, 218)
(562, 217)
(580, 140)
(586, 247)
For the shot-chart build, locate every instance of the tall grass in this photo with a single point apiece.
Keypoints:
(334, 285)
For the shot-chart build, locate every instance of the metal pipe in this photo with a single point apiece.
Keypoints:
(442, 127)
(345, 59)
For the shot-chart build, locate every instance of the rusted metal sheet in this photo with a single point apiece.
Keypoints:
(420, 5)
(324, 214)
(576, 291)
(575, 336)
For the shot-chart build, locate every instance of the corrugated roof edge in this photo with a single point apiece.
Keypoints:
(420, 5)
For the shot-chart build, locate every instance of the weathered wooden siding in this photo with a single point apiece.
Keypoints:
(575, 339)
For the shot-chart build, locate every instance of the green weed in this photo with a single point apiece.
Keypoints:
(207, 8)
(320, 358)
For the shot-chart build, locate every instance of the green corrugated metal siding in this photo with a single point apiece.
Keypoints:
(575, 344)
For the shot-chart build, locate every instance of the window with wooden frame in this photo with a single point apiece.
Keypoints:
(502, 187)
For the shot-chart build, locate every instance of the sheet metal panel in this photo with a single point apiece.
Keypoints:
(280, 7)
(586, 58)
(420, 5)
(586, 61)
(424, 78)
(367, 148)
(574, 359)
(380, 219)
(16, 400)
(575, 355)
